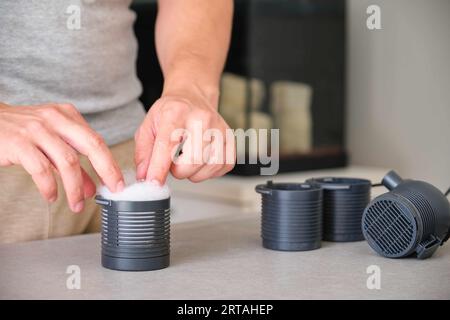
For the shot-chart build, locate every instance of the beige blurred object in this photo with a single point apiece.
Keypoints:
(257, 94)
(291, 106)
(233, 93)
(26, 216)
(234, 98)
(257, 120)
(236, 92)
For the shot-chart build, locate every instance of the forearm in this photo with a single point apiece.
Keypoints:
(192, 39)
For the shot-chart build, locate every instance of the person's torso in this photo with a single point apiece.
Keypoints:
(69, 51)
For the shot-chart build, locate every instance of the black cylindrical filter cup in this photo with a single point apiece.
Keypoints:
(135, 234)
(344, 201)
(291, 216)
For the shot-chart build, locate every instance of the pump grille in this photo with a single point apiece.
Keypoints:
(389, 227)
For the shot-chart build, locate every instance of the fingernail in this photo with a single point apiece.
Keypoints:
(140, 171)
(120, 186)
(78, 207)
(154, 181)
(52, 199)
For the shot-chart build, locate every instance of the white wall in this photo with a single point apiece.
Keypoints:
(398, 100)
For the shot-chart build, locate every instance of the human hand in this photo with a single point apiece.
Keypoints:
(159, 135)
(47, 138)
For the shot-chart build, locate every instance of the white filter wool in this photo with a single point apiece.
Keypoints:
(136, 190)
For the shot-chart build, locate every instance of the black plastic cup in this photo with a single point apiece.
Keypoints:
(135, 234)
(291, 216)
(344, 201)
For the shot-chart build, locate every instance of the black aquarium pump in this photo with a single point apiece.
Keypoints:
(413, 218)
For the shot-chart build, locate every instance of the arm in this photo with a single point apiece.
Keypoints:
(192, 39)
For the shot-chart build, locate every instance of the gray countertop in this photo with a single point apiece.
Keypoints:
(219, 257)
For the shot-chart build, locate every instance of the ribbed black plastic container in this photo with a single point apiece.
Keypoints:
(135, 234)
(344, 201)
(291, 216)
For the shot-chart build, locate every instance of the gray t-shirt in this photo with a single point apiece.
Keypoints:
(73, 51)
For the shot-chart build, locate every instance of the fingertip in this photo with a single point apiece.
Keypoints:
(116, 186)
(154, 181)
(120, 186)
(78, 207)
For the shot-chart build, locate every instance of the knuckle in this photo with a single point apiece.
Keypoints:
(70, 159)
(70, 111)
(96, 141)
(35, 126)
(49, 191)
(50, 111)
(76, 193)
(68, 107)
(42, 169)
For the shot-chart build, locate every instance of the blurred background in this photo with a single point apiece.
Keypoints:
(340, 94)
